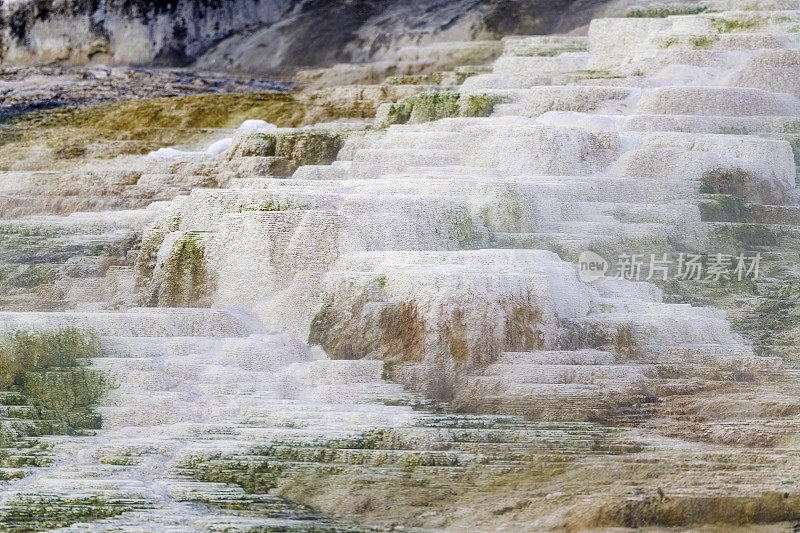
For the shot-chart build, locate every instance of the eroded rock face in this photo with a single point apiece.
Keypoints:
(132, 32)
(259, 36)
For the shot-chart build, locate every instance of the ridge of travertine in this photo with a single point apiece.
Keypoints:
(441, 255)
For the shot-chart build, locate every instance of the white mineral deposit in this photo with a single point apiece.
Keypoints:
(426, 273)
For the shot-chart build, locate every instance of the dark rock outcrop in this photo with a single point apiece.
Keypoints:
(260, 36)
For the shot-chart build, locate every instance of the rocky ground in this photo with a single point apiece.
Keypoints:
(357, 306)
(32, 88)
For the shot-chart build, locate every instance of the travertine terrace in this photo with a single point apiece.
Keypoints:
(360, 322)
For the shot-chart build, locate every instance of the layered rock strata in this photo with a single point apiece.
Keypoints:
(255, 340)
